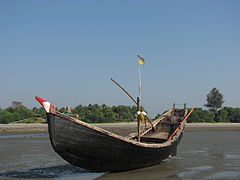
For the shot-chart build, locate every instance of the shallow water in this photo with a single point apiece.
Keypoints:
(201, 155)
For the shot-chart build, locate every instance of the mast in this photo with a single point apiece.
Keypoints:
(138, 119)
(141, 62)
(140, 83)
(141, 114)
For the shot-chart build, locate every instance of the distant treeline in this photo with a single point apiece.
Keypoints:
(92, 113)
(226, 114)
(12, 114)
(102, 113)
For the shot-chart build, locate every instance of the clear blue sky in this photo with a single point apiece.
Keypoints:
(67, 51)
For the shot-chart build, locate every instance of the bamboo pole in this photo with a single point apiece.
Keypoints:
(124, 91)
(150, 122)
(138, 107)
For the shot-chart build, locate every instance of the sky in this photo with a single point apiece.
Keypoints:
(67, 51)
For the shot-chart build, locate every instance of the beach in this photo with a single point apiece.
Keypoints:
(22, 128)
(207, 151)
(43, 128)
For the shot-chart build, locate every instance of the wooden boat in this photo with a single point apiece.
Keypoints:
(99, 150)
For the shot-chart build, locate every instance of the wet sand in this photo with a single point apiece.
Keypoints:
(202, 154)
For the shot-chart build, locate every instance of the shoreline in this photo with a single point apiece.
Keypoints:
(6, 129)
(43, 128)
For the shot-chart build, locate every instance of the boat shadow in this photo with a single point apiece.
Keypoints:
(160, 171)
(46, 172)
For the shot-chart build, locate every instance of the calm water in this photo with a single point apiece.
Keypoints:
(202, 154)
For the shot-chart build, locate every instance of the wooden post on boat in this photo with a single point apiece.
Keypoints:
(173, 109)
(185, 109)
(138, 120)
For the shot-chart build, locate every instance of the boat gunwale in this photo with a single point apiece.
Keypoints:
(126, 139)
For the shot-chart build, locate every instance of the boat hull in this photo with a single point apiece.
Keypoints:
(97, 151)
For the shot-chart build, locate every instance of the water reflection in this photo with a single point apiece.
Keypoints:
(23, 136)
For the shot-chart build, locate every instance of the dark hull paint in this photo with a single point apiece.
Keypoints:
(97, 151)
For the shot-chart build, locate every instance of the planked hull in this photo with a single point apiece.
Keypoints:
(98, 150)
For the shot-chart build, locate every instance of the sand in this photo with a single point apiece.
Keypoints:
(22, 128)
(42, 128)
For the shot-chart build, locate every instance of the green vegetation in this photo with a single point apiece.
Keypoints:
(227, 114)
(18, 113)
(214, 100)
(102, 113)
(215, 112)
(92, 114)
(31, 120)
(200, 115)
(12, 114)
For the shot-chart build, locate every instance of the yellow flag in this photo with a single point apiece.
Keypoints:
(140, 60)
